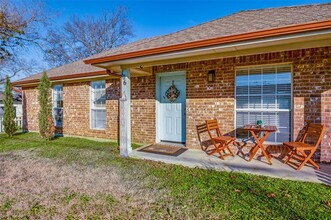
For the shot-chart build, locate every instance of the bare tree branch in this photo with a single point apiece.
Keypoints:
(20, 24)
(80, 38)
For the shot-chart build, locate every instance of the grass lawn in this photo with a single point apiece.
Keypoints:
(73, 178)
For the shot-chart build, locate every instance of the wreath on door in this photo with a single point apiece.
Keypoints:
(172, 93)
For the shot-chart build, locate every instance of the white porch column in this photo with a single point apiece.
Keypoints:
(125, 114)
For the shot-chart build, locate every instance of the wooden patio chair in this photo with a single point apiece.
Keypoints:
(304, 148)
(220, 142)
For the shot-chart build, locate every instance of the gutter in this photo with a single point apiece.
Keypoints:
(321, 25)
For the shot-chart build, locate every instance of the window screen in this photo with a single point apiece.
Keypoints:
(264, 93)
(98, 105)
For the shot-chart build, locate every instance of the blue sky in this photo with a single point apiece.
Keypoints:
(157, 17)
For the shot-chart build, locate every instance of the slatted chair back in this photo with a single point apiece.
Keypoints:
(213, 128)
(313, 134)
(301, 134)
(203, 136)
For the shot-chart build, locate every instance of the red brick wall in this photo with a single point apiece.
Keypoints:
(76, 110)
(143, 118)
(30, 109)
(312, 89)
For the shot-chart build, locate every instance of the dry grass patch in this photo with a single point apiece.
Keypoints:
(32, 186)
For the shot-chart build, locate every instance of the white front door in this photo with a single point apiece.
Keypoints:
(172, 115)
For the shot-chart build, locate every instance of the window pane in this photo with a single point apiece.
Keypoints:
(98, 119)
(255, 102)
(284, 101)
(58, 116)
(241, 120)
(269, 81)
(254, 117)
(242, 102)
(242, 87)
(98, 96)
(255, 81)
(284, 126)
(58, 105)
(284, 87)
(270, 118)
(255, 87)
(99, 84)
(2, 111)
(269, 102)
(242, 75)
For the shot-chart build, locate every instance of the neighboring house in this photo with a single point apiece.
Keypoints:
(270, 64)
(17, 101)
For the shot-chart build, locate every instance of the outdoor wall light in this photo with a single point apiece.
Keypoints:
(211, 76)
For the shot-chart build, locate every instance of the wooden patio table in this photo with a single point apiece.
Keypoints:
(256, 131)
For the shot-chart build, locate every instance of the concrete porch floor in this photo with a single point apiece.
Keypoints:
(198, 158)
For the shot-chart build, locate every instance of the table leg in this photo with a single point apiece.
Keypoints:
(259, 144)
(254, 150)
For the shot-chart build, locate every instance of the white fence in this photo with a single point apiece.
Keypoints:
(18, 120)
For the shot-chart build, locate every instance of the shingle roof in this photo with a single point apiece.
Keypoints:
(238, 23)
(67, 69)
(241, 22)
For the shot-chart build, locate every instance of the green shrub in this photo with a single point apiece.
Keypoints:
(45, 116)
(9, 123)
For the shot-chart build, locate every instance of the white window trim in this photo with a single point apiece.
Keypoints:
(96, 108)
(57, 107)
(266, 110)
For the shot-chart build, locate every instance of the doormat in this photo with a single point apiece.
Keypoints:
(164, 149)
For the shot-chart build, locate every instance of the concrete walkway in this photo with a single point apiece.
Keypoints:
(198, 158)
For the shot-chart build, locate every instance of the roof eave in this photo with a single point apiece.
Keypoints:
(320, 25)
(68, 77)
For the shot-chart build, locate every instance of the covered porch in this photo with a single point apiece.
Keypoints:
(216, 81)
(258, 166)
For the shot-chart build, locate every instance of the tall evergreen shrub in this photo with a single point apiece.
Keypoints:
(9, 123)
(45, 116)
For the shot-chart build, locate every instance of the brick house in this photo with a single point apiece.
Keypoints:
(269, 64)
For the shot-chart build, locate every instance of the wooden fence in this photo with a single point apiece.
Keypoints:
(18, 121)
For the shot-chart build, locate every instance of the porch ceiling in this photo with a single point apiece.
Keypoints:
(135, 71)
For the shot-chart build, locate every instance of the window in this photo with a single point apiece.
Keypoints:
(2, 111)
(98, 105)
(58, 105)
(264, 93)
